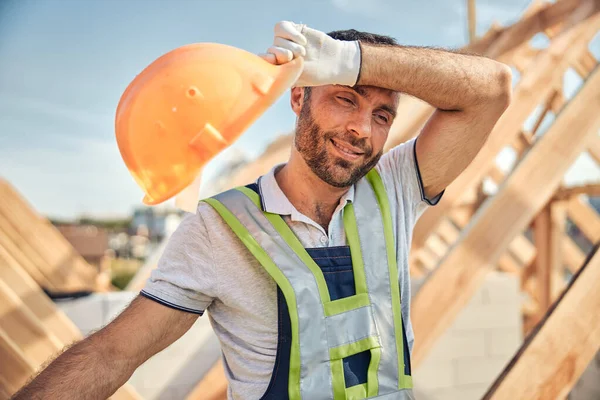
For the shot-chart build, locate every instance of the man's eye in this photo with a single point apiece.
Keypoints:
(382, 118)
(346, 100)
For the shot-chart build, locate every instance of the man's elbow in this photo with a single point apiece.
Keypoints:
(501, 87)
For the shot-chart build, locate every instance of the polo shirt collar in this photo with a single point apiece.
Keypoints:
(275, 201)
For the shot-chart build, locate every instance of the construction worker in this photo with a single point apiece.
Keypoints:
(304, 273)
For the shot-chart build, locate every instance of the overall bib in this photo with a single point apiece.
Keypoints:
(340, 328)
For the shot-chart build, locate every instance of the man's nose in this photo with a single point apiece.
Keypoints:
(360, 124)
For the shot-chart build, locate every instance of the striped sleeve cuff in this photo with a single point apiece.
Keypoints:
(436, 199)
(170, 304)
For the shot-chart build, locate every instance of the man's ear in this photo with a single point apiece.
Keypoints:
(297, 99)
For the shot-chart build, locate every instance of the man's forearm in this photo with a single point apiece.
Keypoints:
(446, 80)
(84, 371)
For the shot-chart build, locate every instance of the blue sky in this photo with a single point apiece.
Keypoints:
(65, 63)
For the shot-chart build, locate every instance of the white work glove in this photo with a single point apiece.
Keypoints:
(327, 61)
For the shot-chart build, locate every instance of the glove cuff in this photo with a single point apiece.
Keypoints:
(349, 63)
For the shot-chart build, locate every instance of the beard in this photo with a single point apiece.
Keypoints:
(312, 143)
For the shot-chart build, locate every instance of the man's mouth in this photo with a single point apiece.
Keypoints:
(347, 150)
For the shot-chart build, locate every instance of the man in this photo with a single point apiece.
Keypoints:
(305, 272)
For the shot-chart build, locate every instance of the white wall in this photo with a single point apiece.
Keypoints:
(481, 341)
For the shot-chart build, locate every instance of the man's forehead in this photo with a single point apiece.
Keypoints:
(368, 91)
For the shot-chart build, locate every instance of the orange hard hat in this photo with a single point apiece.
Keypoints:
(189, 105)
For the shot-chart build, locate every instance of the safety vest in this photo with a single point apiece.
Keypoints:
(325, 333)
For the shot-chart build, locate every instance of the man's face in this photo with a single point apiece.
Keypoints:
(341, 131)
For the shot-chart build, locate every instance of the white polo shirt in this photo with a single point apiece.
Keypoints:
(206, 267)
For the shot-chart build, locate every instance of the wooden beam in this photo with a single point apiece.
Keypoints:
(522, 195)
(558, 233)
(213, 386)
(552, 359)
(534, 87)
(36, 300)
(547, 107)
(42, 243)
(32, 329)
(592, 190)
(585, 64)
(572, 254)
(15, 369)
(585, 217)
(498, 43)
(23, 328)
(594, 150)
(472, 17)
(543, 261)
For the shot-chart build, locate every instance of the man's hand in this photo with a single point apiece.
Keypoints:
(326, 61)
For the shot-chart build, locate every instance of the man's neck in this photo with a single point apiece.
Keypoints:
(307, 192)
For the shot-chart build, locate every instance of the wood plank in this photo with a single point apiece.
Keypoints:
(533, 89)
(24, 329)
(213, 386)
(15, 368)
(585, 217)
(591, 190)
(472, 17)
(573, 255)
(39, 239)
(585, 64)
(542, 240)
(36, 300)
(436, 246)
(448, 232)
(594, 150)
(35, 327)
(9, 250)
(552, 359)
(509, 212)
(558, 233)
(498, 43)
(21, 249)
(559, 102)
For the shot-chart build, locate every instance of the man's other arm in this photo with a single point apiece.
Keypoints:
(98, 365)
(469, 92)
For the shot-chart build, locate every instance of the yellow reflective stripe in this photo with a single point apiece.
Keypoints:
(377, 184)
(337, 379)
(346, 304)
(372, 376)
(285, 286)
(360, 280)
(290, 238)
(406, 382)
(357, 392)
(349, 349)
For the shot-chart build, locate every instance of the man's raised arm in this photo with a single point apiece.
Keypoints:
(469, 92)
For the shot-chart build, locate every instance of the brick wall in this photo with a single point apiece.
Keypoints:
(475, 349)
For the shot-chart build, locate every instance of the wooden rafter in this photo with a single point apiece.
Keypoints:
(498, 43)
(36, 244)
(32, 329)
(592, 190)
(532, 90)
(554, 356)
(212, 387)
(523, 194)
(585, 217)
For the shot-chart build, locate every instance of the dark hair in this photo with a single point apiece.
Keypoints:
(363, 37)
